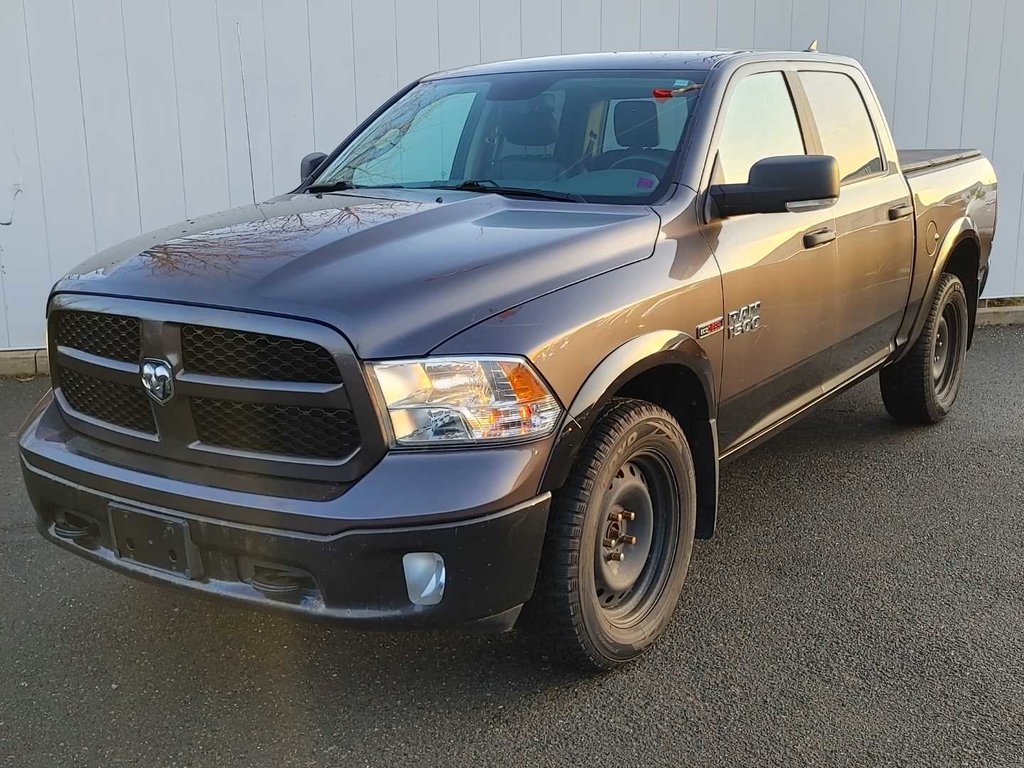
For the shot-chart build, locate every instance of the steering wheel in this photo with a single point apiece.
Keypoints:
(640, 163)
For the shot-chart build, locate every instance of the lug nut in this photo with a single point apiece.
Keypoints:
(615, 517)
(629, 515)
(611, 543)
(628, 539)
(616, 557)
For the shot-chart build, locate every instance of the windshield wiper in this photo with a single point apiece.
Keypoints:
(488, 185)
(333, 186)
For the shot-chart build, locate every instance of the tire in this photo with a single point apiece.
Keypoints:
(921, 388)
(590, 609)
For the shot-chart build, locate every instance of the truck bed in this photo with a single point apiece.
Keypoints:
(917, 160)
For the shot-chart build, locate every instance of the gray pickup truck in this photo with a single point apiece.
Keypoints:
(483, 365)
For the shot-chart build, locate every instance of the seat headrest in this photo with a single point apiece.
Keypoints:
(529, 125)
(636, 124)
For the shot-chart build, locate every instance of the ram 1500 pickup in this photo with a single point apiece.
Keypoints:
(482, 366)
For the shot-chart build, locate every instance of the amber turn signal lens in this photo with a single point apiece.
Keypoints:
(472, 399)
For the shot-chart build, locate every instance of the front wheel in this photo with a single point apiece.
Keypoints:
(618, 543)
(921, 388)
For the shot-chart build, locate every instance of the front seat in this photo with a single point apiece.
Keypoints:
(532, 125)
(636, 129)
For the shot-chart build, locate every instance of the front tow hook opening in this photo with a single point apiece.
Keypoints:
(74, 528)
(278, 584)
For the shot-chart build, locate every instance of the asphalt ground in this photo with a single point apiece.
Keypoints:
(861, 604)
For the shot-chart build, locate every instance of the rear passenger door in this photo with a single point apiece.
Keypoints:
(873, 218)
(778, 285)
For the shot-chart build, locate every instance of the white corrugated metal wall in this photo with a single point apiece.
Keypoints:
(118, 116)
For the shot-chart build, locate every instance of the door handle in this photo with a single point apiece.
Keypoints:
(819, 237)
(901, 211)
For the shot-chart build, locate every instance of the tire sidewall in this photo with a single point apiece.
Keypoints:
(952, 293)
(618, 644)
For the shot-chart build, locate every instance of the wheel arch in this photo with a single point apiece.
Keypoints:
(959, 253)
(671, 369)
(964, 261)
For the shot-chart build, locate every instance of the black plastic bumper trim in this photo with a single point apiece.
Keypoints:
(355, 577)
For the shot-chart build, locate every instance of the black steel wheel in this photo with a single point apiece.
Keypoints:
(631, 551)
(619, 541)
(950, 331)
(921, 387)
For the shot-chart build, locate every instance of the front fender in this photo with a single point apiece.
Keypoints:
(622, 365)
(635, 357)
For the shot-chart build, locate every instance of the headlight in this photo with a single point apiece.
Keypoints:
(444, 400)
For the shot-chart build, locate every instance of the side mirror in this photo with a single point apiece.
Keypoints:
(778, 184)
(310, 163)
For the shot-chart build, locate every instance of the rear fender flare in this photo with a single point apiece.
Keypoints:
(960, 230)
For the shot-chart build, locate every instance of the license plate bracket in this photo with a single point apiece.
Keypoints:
(154, 540)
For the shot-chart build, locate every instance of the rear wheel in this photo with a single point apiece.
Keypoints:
(619, 541)
(921, 388)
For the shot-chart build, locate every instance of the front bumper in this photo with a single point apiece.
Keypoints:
(343, 554)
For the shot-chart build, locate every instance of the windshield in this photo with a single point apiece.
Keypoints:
(595, 136)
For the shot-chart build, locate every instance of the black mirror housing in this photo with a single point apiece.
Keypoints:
(310, 163)
(779, 184)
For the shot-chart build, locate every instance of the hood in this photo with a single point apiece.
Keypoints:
(397, 275)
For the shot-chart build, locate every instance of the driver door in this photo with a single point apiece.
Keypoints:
(778, 269)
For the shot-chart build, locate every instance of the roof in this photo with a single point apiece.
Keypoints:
(627, 60)
(596, 61)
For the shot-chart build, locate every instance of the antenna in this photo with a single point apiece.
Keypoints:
(813, 47)
(245, 112)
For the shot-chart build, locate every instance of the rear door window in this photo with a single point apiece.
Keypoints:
(843, 124)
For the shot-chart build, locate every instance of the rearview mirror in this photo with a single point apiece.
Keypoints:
(310, 163)
(778, 184)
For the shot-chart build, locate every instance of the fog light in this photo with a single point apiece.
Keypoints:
(424, 577)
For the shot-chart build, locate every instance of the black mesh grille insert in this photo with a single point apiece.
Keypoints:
(322, 433)
(108, 401)
(112, 336)
(245, 355)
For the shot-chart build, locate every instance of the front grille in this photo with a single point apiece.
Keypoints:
(112, 336)
(108, 401)
(323, 433)
(246, 355)
(244, 399)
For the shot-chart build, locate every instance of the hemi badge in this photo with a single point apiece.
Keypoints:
(712, 326)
